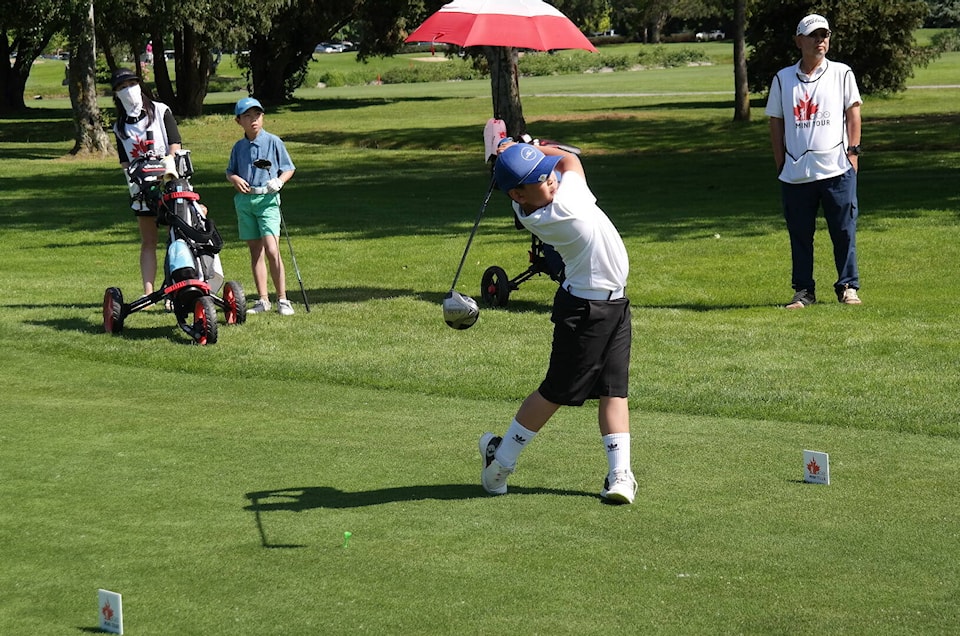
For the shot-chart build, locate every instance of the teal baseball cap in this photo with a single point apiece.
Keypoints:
(246, 104)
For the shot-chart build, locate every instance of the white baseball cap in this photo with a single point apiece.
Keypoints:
(811, 23)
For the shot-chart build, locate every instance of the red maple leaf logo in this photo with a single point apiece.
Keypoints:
(107, 611)
(805, 109)
(813, 468)
(140, 147)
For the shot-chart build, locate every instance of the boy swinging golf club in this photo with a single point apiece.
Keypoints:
(590, 358)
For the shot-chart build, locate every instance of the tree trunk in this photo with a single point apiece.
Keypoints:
(13, 79)
(12, 83)
(267, 61)
(192, 65)
(81, 78)
(161, 76)
(505, 87)
(741, 105)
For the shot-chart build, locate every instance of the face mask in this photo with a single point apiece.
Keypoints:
(132, 100)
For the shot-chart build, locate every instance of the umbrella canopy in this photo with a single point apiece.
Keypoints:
(524, 24)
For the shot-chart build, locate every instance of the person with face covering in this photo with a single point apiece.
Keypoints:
(137, 115)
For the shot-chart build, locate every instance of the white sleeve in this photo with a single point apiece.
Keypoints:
(851, 92)
(774, 101)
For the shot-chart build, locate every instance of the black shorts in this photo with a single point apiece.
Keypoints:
(591, 350)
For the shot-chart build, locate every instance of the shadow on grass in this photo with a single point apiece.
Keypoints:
(171, 333)
(325, 497)
(90, 323)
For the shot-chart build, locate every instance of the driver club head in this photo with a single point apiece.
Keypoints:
(263, 164)
(459, 311)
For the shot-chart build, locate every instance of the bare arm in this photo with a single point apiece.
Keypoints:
(239, 184)
(854, 125)
(569, 162)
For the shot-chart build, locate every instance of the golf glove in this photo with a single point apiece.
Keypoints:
(274, 185)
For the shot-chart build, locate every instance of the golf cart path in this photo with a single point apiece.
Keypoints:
(927, 87)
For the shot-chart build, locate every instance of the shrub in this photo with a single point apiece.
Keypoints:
(450, 70)
(669, 57)
(532, 64)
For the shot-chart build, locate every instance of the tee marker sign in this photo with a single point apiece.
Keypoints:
(816, 467)
(110, 610)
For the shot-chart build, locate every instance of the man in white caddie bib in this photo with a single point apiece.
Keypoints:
(814, 110)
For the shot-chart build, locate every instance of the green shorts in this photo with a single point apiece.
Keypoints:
(258, 215)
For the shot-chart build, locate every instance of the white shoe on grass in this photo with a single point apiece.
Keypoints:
(284, 307)
(619, 487)
(259, 307)
(493, 475)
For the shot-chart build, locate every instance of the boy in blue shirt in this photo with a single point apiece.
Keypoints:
(259, 166)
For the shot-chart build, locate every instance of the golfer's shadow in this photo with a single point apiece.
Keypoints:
(319, 497)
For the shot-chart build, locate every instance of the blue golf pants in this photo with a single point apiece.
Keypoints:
(838, 198)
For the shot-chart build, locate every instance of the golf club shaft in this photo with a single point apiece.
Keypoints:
(476, 224)
(296, 268)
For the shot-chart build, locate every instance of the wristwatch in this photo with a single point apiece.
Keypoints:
(853, 150)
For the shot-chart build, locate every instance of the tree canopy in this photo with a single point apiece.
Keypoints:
(27, 26)
(278, 36)
(874, 37)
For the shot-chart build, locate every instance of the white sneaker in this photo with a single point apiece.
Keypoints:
(493, 475)
(284, 307)
(259, 307)
(619, 487)
(849, 296)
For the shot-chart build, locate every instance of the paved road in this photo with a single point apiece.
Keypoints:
(695, 92)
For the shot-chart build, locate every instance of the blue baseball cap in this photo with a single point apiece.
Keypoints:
(522, 163)
(246, 104)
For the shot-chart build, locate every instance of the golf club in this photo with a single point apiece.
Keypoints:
(265, 164)
(459, 311)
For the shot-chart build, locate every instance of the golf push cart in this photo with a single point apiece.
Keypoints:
(495, 286)
(192, 271)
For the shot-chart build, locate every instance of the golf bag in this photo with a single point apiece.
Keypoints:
(194, 242)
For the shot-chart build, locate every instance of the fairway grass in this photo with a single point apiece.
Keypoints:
(214, 520)
(212, 486)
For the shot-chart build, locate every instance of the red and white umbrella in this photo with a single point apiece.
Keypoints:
(523, 24)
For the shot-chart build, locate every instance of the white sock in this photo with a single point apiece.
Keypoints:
(513, 442)
(617, 446)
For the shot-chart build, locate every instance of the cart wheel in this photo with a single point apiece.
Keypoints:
(495, 287)
(205, 321)
(113, 310)
(236, 303)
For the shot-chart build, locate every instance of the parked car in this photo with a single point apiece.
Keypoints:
(707, 36)
(329, 47)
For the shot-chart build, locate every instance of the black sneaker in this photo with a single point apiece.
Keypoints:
(801, 299)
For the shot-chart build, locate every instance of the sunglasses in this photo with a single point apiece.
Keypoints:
(821, 34)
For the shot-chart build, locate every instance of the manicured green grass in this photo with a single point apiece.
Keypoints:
(212, 486)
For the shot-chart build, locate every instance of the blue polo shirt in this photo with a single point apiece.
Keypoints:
(265, 146)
